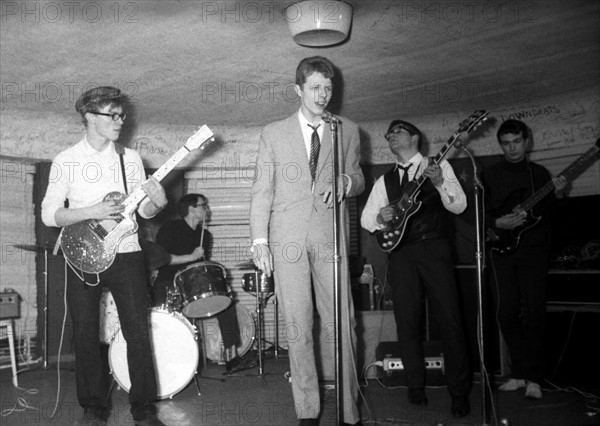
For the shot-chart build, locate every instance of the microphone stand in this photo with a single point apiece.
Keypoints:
(333, 123)
(479, 253)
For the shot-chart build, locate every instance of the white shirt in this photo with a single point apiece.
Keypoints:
(452, 195)
(84, 176)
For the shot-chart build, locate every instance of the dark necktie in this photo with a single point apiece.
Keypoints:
(315, 146)
(404, 176)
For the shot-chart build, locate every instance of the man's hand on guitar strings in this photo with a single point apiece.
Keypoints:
(110, 209)
(511, 220)
(389, 213)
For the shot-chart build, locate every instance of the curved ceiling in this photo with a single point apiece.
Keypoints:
(233, 62)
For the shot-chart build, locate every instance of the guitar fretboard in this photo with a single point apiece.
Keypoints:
(569, 173)
(138, 195)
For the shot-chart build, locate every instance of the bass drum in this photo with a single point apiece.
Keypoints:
(174, 350)
(109, 317)
(215, 349)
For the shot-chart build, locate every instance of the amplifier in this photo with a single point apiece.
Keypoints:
(9, 305)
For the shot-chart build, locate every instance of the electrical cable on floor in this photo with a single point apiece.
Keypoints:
(595, 399)
(62, 336)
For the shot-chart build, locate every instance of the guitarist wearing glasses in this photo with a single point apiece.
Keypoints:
(81, 177)
(519, 270)
(422, 262)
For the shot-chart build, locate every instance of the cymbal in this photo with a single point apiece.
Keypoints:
(155, 254)
(30, 247)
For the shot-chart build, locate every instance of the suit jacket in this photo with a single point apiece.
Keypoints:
(283, 198)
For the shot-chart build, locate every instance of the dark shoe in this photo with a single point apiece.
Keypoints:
(309, 422)
(150, 420)
(91, 417)
(460, 406)
(417, 396)
(359, 423)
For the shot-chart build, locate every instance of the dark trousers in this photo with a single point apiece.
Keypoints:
(519, 286)
(426, 266)
(126, 279)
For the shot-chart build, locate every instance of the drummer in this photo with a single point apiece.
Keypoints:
(188, 241)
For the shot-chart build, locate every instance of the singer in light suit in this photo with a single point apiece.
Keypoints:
(291, 225)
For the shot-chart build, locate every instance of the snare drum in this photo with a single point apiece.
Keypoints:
(265, 283)
(174, 351)
(203, 289)
(215, 349)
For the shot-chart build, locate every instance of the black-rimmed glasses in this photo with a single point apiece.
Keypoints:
(115, 116)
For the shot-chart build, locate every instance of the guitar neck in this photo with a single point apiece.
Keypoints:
(137, 196)
(570, 172)
(437, 159)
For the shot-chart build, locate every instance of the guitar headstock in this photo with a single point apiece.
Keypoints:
(472, 121)
(197, 139)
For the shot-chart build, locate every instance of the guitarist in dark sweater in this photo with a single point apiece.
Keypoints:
(519, 275)
(422, 263)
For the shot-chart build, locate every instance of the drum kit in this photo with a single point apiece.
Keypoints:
(199, 292)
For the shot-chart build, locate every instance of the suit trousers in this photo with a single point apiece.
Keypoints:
(126, 279)
(425, 267)
(297, 265)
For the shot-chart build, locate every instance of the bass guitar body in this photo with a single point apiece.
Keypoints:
(506, 241)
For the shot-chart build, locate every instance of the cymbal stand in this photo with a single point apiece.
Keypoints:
(276, 350)
(46, 248)
(261, 300)
(259, 318)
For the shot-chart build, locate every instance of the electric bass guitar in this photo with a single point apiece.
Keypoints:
(506, 241)
(91, 245)
(390, 235)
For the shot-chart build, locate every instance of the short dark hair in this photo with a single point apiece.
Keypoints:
(513, 127)
(409, 127)
(97, 98)
(187, 201)
(319, 64)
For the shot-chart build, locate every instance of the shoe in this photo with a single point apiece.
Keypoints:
(149, 420)
(417, 396)
(309, 422)
(359, 423)
(533, 391)
(91, 417)
(512, 385)
(460, 406)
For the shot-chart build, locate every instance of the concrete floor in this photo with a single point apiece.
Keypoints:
(247, 398)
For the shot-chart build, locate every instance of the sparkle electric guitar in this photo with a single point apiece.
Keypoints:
(91, 245)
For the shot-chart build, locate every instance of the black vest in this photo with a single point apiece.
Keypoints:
(430, 221)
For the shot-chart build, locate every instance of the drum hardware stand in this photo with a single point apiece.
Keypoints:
(46, 248)
(261, 300)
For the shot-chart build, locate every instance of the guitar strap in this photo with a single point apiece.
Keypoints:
(121, 151)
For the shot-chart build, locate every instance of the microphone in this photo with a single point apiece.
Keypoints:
(328, 117)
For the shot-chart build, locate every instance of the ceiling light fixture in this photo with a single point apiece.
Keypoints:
(319, 23)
